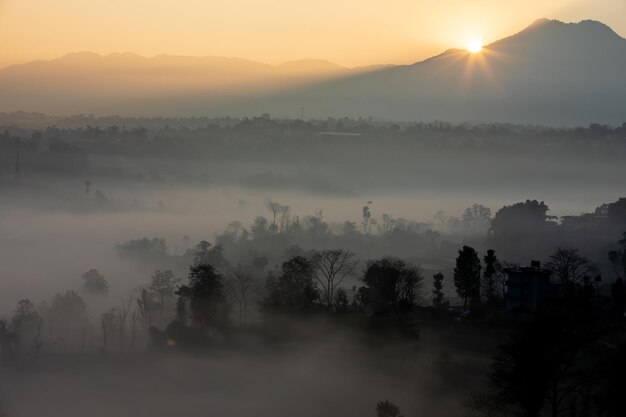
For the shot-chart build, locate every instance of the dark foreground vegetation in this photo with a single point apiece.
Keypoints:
(561, 340)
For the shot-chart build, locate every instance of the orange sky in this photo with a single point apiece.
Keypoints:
(348, 32)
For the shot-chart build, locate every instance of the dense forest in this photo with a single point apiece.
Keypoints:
(338, 157)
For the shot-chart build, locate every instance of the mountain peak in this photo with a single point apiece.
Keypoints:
(547, 37)
(543, 22)
(584, 26)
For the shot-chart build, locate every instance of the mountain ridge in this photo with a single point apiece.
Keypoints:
(549, 72)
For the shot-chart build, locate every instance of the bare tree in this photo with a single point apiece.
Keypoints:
(241, 287)
(569, 267)
(122, 315)
(366, 220)
(280, 216)
(135, 318)
(163, 284)
(332, 266)
(145, 305)
(107, 321)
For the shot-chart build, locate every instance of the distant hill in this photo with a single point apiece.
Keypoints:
(127, 83)
(550, 73)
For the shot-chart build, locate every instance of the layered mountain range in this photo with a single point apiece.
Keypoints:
(551, 73)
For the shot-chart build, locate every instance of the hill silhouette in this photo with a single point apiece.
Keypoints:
(549, 73)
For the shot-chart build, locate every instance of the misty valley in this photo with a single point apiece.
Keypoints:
(312, 209)
(263, 266)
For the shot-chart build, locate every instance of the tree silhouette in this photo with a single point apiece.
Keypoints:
(146, 250)
(622, 244)
(206, 254)
(387, 409)
(569, 268)
(490, 276)
(68, 315)
(27, 327)
(520, 219)
(145, 306)
(163, 284)
(332, 266)
(366, 218)
(543, 365)
(107, 325)
(280, 216)
(615, 258)
(391, 284)
(206, 295)
(94, 283)
(241, 287)
(437, 295)
(7, 340)
(476, 219)
(341, 301)
(293, 289)
(467, 276)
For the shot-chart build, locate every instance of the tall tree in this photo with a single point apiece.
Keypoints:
(163, 284)
(205, 253)
(122, 314)
(280, 216)
(366, 218)
(476, 219)
(68, 315)
(293, 289)
(569, 268)
(94, 283)
(241, 286)
(206, 295)
(332, 267)
(145, 306)
(490, 276)
(107, 325)
(438, 296)
(391, 284)
(467, 276)
(27, 326)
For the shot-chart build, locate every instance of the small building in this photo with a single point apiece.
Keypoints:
(528, 287)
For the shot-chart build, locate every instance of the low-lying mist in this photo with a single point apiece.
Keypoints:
(330, 371)
(45, 248)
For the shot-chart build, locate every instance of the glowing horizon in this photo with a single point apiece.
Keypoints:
(475, 45)
(345, 32)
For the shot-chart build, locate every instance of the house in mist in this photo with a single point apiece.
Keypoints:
(528, 287)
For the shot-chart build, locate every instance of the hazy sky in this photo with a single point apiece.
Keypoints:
(349, 32)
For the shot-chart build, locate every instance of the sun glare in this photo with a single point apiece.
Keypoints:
(475, 46)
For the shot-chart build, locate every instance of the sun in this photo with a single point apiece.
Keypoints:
(474, 46)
